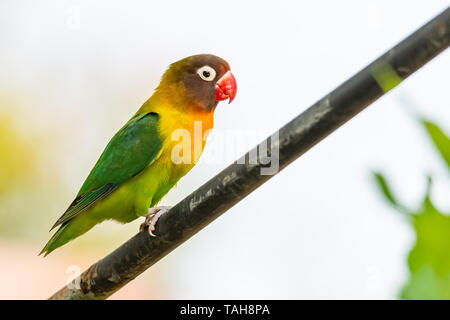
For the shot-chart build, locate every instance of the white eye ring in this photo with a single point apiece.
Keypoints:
(206, 73)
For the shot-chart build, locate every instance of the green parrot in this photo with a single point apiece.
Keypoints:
(143, 161)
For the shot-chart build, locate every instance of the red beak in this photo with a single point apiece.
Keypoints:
(226, 87)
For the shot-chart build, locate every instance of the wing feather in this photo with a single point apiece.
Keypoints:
(133, 148)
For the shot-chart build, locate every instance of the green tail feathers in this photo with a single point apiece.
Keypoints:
(53, 243)
(68, 231)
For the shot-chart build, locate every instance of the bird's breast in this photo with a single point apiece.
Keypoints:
(185, 135)
(184, 138)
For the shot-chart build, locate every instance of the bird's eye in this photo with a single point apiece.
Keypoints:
(206, 73)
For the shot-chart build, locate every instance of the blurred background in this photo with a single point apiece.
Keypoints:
(73, 72)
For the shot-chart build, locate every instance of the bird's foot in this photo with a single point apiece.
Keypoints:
(152, 217)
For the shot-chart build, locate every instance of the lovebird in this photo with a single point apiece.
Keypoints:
(145, 158)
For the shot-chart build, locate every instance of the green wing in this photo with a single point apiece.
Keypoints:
(133, 148)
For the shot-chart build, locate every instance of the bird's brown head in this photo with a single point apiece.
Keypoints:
(199, 82)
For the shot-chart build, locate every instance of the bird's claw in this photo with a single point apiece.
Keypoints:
(152, 217)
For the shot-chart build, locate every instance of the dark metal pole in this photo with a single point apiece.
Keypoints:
(234, 183)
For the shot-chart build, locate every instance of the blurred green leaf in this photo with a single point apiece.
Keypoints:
(432, 246)
(384, 188)
(440, 140)
(429, 259)
(426, 285)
